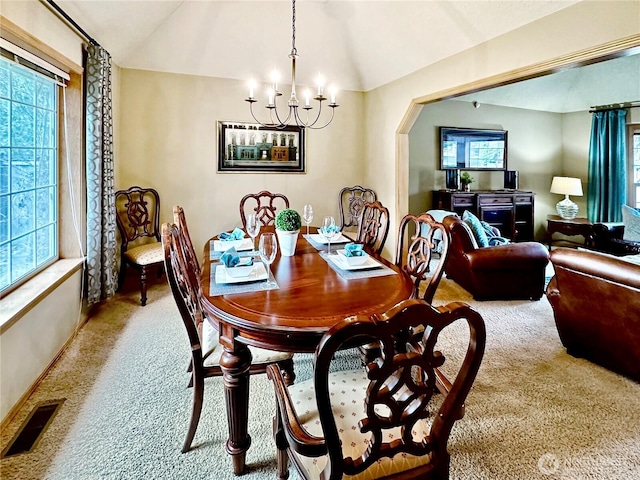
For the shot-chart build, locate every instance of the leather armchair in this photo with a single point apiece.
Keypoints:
(503, 272)
(596, 306)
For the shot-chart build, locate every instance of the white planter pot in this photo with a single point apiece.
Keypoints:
(287, 242)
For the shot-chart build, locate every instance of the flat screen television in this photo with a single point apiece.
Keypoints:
(473, 149)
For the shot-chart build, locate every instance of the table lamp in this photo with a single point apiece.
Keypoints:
(566, 186)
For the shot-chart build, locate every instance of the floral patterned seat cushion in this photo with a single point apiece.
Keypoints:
(348, 390)
(146, 254)
(212, 350)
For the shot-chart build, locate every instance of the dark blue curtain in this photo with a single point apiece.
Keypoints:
(607, 188)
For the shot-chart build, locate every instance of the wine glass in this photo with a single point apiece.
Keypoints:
(268, 249)
(329, 230)
(253, 228)
(307, 216)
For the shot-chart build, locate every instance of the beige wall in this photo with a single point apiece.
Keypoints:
(571, 30)
(168, 140)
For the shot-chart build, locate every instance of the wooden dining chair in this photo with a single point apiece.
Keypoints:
(264, 204)
(183, 275)
(373, 226)
(383, 421)
(138, 220)
(417, 236)
(351, 201)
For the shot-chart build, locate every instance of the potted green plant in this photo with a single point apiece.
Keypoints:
(288, 223)
(465, 180)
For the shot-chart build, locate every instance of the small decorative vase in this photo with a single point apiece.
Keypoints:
(287, 242)
(465, 187)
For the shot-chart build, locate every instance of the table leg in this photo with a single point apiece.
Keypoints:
(235, 365)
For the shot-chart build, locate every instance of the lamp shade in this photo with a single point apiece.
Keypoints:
(566, 186)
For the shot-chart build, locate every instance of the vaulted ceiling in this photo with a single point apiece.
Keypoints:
(356, 44)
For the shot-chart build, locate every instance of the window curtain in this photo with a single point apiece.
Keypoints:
(102, 275)
(607, 188)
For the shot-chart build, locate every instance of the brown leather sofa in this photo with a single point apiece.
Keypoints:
(608, 238)
(596, 303)
(503, 272)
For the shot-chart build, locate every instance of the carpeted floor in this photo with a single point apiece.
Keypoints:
(534, 412)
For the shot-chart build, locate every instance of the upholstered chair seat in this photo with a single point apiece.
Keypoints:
(351, 388)
(147, 254)
(212, 350)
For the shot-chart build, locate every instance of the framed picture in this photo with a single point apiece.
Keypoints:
(250, 147)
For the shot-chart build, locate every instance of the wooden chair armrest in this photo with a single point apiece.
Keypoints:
(298, 438)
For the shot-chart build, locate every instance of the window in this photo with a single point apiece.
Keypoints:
(28, 173)
(634, 166)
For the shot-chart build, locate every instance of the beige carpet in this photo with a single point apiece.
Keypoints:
(534, 412)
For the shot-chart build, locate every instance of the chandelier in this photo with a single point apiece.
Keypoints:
(293, 115)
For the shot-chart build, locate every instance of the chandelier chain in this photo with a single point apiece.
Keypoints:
(294, 51)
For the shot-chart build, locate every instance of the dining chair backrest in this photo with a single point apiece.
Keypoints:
(373, 226)
(184, 284)
(351, 201)
(190, 252)
(417, 239)
(137, 215)
(265, 206)
(382, 420)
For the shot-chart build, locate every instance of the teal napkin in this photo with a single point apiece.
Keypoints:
(353, 250)
(230, 259)
(331, 229)
(237, 234)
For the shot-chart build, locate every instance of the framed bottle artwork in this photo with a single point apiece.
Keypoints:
(251, 147)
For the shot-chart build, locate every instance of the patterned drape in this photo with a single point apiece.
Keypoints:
(607, 188)
(102, 276)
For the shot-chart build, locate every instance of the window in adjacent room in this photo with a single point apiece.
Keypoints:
(634, 166)
(28, 172)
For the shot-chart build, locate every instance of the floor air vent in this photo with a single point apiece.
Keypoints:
(33, 427)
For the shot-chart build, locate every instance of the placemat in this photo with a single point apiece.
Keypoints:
(353, 274)
(321, 246)
(213, 255)
(216, 289)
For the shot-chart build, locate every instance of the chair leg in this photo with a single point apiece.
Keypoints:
(198, 395)
(286, 366)
(122, 273)
(143, 286)
(281, 448)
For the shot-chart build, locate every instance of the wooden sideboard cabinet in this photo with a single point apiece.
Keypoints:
(509, 210)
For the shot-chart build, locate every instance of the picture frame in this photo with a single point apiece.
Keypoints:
(251, 147)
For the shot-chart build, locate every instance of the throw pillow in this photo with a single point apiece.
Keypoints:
(476, 227)
(493, 235)
(631, 219)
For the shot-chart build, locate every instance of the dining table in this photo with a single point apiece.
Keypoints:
(312, 294)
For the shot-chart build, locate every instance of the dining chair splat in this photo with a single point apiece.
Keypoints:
(373, 226)
(351, 201)
(264, 205)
